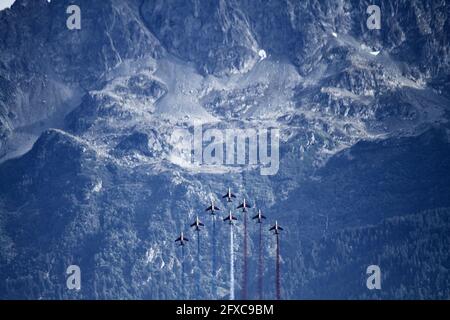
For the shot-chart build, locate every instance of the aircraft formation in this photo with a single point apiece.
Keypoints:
(259, 218)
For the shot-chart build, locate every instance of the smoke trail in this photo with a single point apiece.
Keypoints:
(278, 284)
(231, 263)
(183, 284)
(244, 277)
(260, 264)
(198, 265)
(214, 286)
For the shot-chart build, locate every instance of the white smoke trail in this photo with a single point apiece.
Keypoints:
(183, 281)
(231, 263)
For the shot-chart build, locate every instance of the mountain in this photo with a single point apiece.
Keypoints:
(92, 171)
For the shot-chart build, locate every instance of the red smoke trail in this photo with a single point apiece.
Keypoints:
(260, 264)
(214, 285)
(198, 265)
(244, 278)
(278, 284)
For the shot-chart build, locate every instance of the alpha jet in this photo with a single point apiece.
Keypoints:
(244, 205)
(259, 216)
(230, 218)
(212, 208)
(182, 239)
(229, 196)
(197, 224)
(276, 228)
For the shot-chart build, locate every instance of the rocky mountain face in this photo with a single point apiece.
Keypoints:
(46, 70)
(91, 173)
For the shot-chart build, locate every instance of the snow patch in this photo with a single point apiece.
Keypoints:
(98, 186)
(150, 255)
(262, 54)
(6, 4)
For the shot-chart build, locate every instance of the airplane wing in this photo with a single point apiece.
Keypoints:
(255, 217)
(233, 196)
(234, 218)
(192, 225)
(263, 217)
(178, 239)
(240, 206)
(209, 208)
(201, 224)
(225, 196)
(185, 239)
(273, 228)
(280, 228)
(227, 218)
(216, 208)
